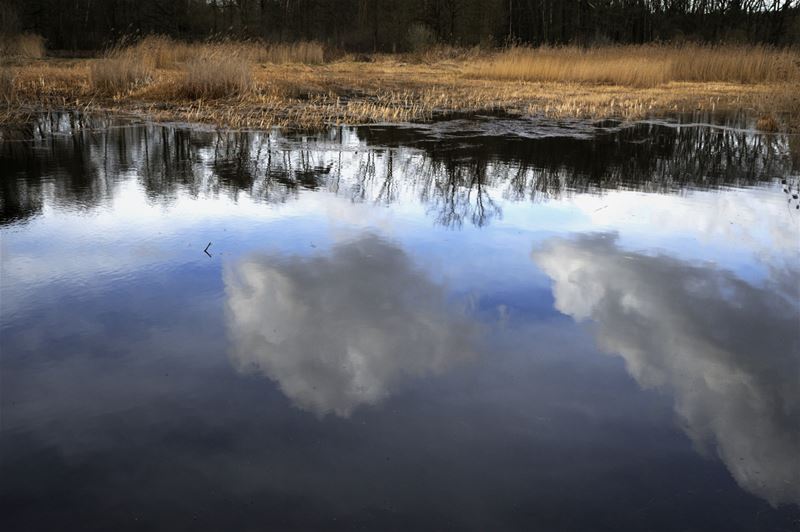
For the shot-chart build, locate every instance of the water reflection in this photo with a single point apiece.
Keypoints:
(459, 173)
(726, 349)
(535, 159)
(341, 330)
(393, 372)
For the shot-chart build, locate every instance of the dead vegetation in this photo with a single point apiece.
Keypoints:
(207, 70)
(165, 53)
(121, 69)
(7, 87)
(21, 45)
(253, 84)
(644, 66)
(216, 77)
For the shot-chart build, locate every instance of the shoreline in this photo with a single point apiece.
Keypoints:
(386, 90)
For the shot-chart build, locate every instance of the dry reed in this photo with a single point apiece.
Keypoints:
(121, 69)
(767, 123)
(209, 69)
(389, 88)
(644, 66)
(7, 91)
(26, 45)
(216, 77)
(309, 53)
(164, 52)
(738, 64)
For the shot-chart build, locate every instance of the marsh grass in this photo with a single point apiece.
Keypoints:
(119, 70)
(166, 53)
(7, 88)
(208, 69)
(222, 84)
(767, 123)
(443, 52)
(754, 64)
(644, 66)
(308, 53)
(163, 52)
(24, 45)
(216, 76)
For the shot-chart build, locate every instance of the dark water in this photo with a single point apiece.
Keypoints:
(474, 325)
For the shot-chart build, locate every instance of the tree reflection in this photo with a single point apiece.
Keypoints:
(66, 160)
(459, 175)
(460, 192)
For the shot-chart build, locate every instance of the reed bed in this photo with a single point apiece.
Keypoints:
(119, 71)
(166, 53)
(216, 77)
(115, 75)
(308, 53)
(163, 52)
(208, 69)
(7, 87)
(757, 64)
(222, 84)
(644, 66)
(24, 45)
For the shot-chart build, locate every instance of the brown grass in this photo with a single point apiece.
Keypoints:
(120, 70)
(164, 52)
(24, 45)
(216, 77)
(767, 123)
(7, 89)
(444, 52)
(209, 70)
(308, 53)
(644, 66)
(224, 84)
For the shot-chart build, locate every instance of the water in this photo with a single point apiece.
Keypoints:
(481, 324)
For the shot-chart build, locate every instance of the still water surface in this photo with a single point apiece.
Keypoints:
(480, 324)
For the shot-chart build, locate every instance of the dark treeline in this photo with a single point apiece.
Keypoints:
(401, 25)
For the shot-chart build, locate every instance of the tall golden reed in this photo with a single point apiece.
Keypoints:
(216, 77)
(644, 66)
(7, 92)
(164, 52)
(26, 45)
(119, 70)
(210, 69)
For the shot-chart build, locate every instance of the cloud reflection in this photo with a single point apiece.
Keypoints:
(343, 330)
(728, 350)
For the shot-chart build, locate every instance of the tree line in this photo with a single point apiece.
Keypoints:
(403, 25)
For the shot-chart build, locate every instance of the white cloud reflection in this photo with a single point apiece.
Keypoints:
(343, 330)
(728, 351)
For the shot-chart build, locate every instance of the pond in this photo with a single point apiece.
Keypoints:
(480, 324)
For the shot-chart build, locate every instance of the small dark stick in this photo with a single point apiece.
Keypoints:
(206, 250)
